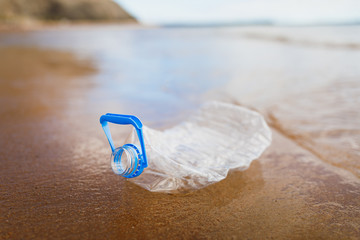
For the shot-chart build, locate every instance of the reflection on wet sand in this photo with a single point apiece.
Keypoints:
(34, 81)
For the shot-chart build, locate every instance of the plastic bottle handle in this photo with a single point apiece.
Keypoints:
(124, 120)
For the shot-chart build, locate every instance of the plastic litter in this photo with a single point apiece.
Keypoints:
(194, 154)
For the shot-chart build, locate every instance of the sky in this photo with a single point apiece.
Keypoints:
(233, 11)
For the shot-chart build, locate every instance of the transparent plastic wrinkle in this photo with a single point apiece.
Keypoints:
(202, 150)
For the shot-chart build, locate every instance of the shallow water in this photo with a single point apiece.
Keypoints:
(326, 122)
(176, 69)
(54, 155)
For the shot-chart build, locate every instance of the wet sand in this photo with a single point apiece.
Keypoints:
(56, 181)
(332, 132)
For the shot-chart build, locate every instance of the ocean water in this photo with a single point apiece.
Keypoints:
(304, 80)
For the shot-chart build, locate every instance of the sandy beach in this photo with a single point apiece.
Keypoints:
(56, 180)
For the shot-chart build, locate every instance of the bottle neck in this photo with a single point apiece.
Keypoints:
(125, 160)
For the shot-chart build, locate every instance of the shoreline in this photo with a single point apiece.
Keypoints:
(29, 25)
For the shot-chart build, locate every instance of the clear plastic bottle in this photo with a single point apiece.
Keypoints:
(199, 151)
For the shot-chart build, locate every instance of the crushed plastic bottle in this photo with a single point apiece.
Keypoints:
(202, 150)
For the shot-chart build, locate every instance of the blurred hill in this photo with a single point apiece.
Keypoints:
(72, 10)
